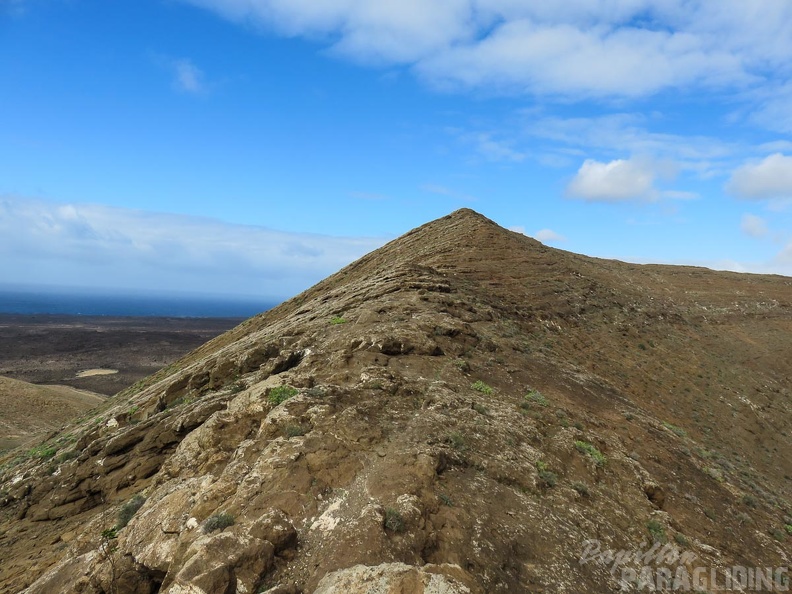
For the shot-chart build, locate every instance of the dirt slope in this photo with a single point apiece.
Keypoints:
(27, 410)
(462, 410)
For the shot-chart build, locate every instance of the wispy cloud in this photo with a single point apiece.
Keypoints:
(83, 244)
(187, 76)
(753, 226)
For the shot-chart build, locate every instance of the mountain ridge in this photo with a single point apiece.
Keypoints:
(460, 410)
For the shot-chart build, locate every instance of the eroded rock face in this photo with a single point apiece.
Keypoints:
(462, 411)
(390, 578)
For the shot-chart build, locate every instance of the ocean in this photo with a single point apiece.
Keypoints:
(118, 304)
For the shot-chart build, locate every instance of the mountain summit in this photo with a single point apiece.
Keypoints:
(463, 410)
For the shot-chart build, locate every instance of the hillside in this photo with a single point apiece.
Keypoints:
(27, 410)
(462, 410)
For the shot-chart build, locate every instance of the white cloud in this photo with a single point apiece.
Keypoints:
(187, 76)
(548, 236)
(100, 246)
(602, 48)
(770, 178)
(753, 225)
(615, 181)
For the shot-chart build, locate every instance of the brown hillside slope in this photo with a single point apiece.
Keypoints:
(27, 410)
(343, 434)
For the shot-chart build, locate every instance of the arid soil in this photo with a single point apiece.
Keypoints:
(43, 349)
(27, 410)
(461, 411)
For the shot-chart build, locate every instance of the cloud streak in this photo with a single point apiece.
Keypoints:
(579, 48)
(99, 246)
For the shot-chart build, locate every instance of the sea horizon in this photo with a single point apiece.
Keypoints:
(113, 303)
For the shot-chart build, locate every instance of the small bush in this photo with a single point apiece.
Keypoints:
(294, 430)
(456, 440)
(480, 408)
(462, 365)
(678, 431)
(217, 522)
(585, 447)
(281, 394)
(480, 386)
(337, 320)
(128, 510)
(779, 535)
(537, 397)
(750, 501)
(681, 539)
(42, 452)
(394, 521)
(657, 531)
(548, 479)
(788, 528)
(581, 488)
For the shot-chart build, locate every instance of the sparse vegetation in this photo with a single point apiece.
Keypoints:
(581, 488)
(42, 452)
(128, 510)
(335, 320)
(462, 365)
(480, 386)
(585, 447)
(445, 500)
(681, 539)
(657, 531)
(281, 394)
(217, 522)
(678, 431)
(456, 440)
(67, 455)
(788, 528)
(535, 396)
(294, 431)
(480, 408)
(394, 521)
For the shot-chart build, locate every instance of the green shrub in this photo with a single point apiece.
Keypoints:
(537, 397)
(281, 394)
(548, 478)
(294, 430)
(480, 408)
(394, 521)
(788, 528)
(216, 522)
(456, 440)
(581, 488)
(128, 510)
(337, 320)
(42, 452)
(585, 447)
(656, 530)
(462, 365)
(681, 539)
(480, 386)
(678, 431)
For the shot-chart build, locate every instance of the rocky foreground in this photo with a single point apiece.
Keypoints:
(462, 411)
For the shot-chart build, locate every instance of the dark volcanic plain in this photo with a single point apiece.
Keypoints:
(53, 349)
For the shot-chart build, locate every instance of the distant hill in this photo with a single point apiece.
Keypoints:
(28, 410)
(462, 410)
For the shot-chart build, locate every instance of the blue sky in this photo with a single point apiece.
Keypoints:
(255, 146)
